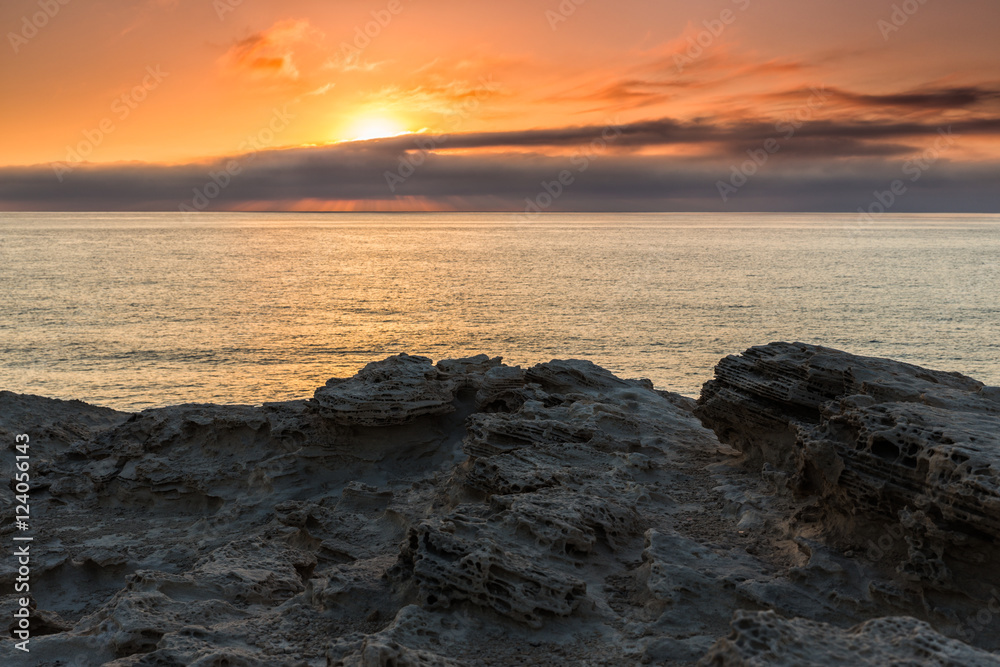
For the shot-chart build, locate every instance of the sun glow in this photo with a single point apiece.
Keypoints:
(375, 127)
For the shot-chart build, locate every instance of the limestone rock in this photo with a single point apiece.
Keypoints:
(905, 461)
(491, 434)
(373, 653)
(758, 399)
(457, 560)
(392, 391)
(764, 639)
(568, 522)
(52, 422)
(472, 513)
(502, 388)
(872, 435)
(470, 372)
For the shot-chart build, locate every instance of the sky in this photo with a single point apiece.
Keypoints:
(867, 106)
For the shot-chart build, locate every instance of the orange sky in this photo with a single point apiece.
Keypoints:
(174, 82)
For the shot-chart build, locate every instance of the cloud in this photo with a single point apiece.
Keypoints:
(269, 54)
(443, 97)
(933, 99)
(351, 62)
(665, 77)
(348, 176)
(949, 99)
(828, 167)
(322, 90)
(662, 132)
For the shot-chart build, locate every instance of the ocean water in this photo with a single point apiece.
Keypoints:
(140, 310)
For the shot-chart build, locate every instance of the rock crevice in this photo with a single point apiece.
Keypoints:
(812, 506)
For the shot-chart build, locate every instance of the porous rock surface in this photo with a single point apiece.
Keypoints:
(901, 463)
(472, 513)
(764, 639)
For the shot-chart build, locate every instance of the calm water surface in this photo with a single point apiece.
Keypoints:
(138, 310)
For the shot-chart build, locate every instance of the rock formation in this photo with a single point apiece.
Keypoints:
(902, 463)
(765, 639)
(471, 513)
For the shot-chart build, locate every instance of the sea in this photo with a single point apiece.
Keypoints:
(137, 310)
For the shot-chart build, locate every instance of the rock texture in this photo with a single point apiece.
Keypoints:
(392, 391)
(763, 639)
(471, 513)
(903, 462)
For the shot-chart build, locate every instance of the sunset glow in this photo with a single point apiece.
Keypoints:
(375, 128)
(549, 332)
(516, 92)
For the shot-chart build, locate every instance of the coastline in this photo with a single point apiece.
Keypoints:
(810, 502)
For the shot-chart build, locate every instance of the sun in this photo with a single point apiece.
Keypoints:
(375, 127)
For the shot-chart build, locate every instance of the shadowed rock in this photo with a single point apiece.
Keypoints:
(392, 391)
(905, 460)
(471, 513)
(763, 639)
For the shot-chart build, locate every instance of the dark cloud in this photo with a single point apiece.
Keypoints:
(671, 132)
(937, 99)
(825, 166)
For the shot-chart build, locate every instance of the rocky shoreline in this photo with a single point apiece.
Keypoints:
(813, 507)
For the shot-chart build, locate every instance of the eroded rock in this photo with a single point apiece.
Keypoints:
(471, 513)
(905, 460)
(392, 391)
(764, 639)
